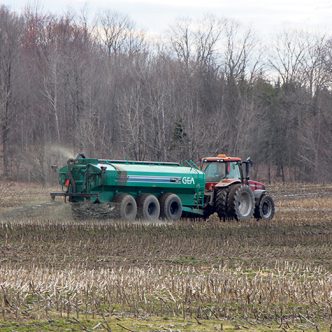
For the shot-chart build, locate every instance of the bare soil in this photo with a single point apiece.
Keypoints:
(243, 275)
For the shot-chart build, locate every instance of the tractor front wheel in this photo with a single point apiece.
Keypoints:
(265, 208)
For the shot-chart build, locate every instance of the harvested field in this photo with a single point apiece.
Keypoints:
(185, 276)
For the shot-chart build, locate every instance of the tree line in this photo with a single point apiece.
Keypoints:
(205, 86)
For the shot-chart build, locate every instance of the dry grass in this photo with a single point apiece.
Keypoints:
(308, 197)
(13, 194)
(279, 272)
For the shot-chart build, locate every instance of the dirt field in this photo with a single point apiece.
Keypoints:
(60, 274)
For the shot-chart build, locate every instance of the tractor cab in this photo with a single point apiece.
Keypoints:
(221, 170)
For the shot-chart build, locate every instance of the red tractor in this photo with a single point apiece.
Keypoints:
(230, 193)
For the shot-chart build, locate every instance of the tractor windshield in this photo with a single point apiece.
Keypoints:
(214, 171)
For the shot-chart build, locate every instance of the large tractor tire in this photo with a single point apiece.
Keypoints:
(170, 207)
(148, 207)
(221, 202)
(241, 202)
(265, 208)
(125, 206)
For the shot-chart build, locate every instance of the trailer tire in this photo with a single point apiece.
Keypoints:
(126, 206)
(241, 202)
(148, 207)
(265, 208)
(170, 207)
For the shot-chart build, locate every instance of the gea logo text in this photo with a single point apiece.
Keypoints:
(188, 180)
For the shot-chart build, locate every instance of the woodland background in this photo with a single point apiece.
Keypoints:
(107, 89)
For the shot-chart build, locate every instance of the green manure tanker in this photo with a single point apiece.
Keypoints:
(150, 190)
(131, 189)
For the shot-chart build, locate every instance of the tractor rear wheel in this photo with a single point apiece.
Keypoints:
(148, 207)
(241, 202)
(170, 207)
(221, 202)
(265, 208)
(126, 206)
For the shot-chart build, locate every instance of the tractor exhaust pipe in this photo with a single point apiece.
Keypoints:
(248, 162)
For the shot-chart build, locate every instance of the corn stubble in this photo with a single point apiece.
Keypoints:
(259, 272)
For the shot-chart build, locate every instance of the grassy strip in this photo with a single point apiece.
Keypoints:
(117, 324)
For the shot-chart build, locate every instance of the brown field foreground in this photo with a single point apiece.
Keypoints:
(58, 274)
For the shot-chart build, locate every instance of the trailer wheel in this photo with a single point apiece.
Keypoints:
(148, 207)
(265, 208)
(241, 202)
(170, 207)
(126, 206)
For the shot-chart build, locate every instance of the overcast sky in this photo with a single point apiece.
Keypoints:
(264, 16)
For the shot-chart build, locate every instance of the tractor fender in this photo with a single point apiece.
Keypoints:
(226, 183)
(258, 194)
(210, 196)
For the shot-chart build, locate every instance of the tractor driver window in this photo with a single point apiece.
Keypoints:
(233, 171)
(214, 172)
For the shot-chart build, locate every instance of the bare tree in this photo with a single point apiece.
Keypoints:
(108, 90)
(10, 32)
(288, 56)
(240, 68)
(119, 35)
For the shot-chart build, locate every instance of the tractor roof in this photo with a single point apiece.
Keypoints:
(221, 157)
